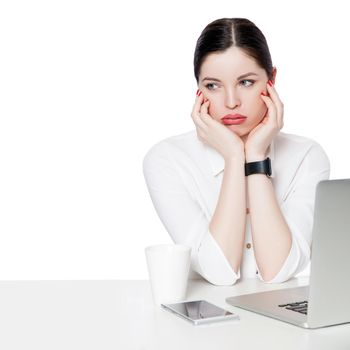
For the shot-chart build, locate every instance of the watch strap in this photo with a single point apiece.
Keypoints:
(259, 167)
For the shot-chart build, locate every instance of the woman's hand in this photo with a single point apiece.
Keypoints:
(213, 133)
(259, 139)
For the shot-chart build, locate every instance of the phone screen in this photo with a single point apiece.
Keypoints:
(200, 310)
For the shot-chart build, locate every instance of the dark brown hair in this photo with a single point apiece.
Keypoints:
(223, 33)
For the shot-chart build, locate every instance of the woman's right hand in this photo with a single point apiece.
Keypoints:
(213, 133)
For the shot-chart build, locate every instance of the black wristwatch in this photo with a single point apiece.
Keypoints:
(260, 167)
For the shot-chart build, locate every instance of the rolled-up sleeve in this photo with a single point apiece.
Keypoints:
(298, 210)
(183, 218)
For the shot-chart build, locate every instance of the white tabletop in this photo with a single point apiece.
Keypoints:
(120, 315)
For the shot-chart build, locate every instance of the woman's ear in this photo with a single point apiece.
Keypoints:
(274, 72)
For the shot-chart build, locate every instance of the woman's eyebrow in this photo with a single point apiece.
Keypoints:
(240, 77)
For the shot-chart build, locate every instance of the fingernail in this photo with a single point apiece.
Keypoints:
(263, 93)
(198, 92)
(270, 82)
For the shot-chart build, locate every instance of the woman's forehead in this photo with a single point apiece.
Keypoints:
(229, 64)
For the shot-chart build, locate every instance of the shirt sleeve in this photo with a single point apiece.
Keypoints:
(183, 218)
(298, 210)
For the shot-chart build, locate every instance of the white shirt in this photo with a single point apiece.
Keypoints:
(184, 177)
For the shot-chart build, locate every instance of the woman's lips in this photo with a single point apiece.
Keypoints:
(233, 119)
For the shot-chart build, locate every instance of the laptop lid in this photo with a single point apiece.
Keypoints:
(329, 291)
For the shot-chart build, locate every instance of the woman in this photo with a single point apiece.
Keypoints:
(213, 188)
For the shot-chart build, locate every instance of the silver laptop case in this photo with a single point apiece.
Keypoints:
(328, 293)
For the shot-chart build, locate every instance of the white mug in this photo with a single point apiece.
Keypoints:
(168, 268)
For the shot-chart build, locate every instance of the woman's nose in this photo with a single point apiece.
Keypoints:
(231, 99)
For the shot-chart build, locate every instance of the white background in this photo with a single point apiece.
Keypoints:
(87, 87)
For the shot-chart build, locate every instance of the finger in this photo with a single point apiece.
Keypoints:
(196, 112)
(197, 103)
(277, 101)
(274, 118)
(204, 112)
(272, 111)
(273, 92)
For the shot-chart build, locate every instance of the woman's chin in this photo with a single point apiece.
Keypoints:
(237, 129)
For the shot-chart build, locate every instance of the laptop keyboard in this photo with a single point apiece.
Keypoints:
(300, 306)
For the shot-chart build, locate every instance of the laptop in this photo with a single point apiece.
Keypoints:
(326, 300)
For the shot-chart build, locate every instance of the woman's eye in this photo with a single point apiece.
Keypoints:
(247, 83)
(209, 86)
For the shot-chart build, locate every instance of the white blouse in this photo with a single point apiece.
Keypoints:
(184, 177)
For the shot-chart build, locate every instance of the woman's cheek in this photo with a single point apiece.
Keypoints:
(262, 113)
(261, 107)
(213, 112)
(256, 115)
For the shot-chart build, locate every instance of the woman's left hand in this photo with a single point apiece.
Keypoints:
(259, 139)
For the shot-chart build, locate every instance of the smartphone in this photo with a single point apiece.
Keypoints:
(200, 312)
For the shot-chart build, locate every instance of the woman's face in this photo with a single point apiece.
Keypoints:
(233, 82)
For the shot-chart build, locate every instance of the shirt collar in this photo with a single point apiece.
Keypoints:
(217, 162)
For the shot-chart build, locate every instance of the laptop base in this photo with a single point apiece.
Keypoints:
(267, 304)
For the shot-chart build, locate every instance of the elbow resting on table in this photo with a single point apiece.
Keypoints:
(210, 262)
(215, 275)
(296, 261)
(277, 278)
(221, 282)
(273, 280)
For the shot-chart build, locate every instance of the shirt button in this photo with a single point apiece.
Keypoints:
(248, 245)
